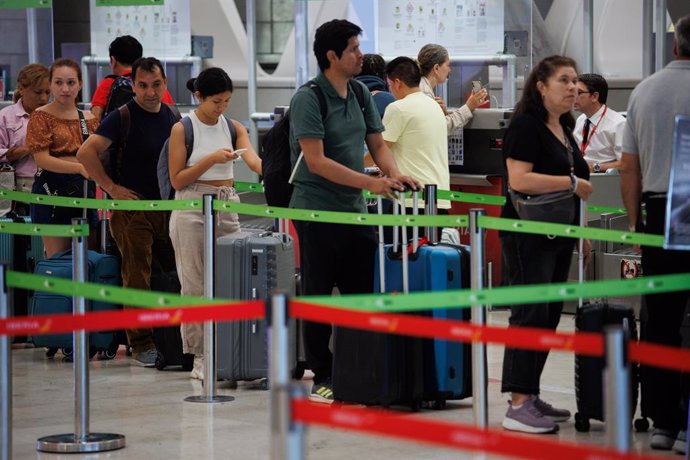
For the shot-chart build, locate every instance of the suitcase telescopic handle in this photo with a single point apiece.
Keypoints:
(405, 258)
(430, 209)
(415, 229)
(580, 251)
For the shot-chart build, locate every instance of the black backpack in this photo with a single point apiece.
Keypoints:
(121, 92)
(276, 167)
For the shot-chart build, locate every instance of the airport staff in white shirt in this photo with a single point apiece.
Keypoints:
(598, 131)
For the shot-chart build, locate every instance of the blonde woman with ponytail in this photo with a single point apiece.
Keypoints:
(434, 62)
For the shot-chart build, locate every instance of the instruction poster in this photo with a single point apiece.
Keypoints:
(464, 27)
(164, 29)
(678, 204)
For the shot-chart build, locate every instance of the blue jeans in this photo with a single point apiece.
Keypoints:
(532, 259)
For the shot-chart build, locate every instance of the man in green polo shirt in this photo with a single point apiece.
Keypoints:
(328, 174)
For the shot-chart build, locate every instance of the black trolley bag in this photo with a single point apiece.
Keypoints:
(594, 317)
(375, 368)
(168, 340)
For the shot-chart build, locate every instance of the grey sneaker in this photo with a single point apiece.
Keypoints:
(322, 393)
(528, 419)
(557, 415)
(146, 358)
(681, 444)
(662, 439)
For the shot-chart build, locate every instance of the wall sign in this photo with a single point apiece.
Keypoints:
(464, 27)
(162, 26)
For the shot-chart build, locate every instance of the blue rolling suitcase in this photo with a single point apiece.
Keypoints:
(435, 267)
(103, 269)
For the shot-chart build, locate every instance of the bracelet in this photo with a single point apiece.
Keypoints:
(573, 185)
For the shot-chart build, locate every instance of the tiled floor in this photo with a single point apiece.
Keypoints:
(147, 406)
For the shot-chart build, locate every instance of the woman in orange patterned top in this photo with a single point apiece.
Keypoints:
(54, 134)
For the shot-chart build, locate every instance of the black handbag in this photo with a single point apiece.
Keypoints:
(555, 208)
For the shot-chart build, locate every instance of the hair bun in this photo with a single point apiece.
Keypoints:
(192, 85)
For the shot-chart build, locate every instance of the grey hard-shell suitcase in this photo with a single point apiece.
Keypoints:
(251, 264)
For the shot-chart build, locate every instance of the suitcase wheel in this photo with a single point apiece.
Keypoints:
(416, 406)
(641, 425)
(264, 385)
(160, 361)
(111, 352)
(298, 371)
(50, 352)
(581, 423)
(438, 404)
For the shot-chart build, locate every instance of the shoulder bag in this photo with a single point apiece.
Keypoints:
(556, 207)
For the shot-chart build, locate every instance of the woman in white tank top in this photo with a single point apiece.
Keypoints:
(208, 169)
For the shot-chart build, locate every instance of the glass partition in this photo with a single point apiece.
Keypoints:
(26, 36)
(500, 67)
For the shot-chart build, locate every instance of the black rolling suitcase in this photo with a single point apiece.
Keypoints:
(594, 317)
(589, 387)
(374, 368)
(168, 340)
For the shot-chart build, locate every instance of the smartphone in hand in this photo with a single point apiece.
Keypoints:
(239, 152)
(476, 86)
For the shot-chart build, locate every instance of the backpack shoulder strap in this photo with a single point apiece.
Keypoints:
(319, 94)
(188, 135)
(233, 131)
(173, 108)
(125, 122)
(358, 89)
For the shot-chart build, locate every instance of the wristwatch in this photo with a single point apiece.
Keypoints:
(597, 167)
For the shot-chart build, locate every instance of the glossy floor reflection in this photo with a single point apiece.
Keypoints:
(148, 407)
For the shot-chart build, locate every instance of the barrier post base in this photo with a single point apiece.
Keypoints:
(209, 399)
(69, 443)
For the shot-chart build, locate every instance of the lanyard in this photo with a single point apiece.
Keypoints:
(585, 142)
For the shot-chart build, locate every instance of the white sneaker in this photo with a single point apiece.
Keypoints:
(198, 369)
(681, 443)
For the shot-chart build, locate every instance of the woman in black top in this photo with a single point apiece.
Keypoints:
(538, 149)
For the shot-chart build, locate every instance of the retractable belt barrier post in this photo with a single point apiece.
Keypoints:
(287, 436)
(81, 440)
(210, 385)
(5, 376)
(480, 403)
(617, 410)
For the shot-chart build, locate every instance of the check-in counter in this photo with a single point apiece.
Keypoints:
(480, 169)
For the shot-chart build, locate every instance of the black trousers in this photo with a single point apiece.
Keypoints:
(332, 255)
(664, 391)
(532, 259)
